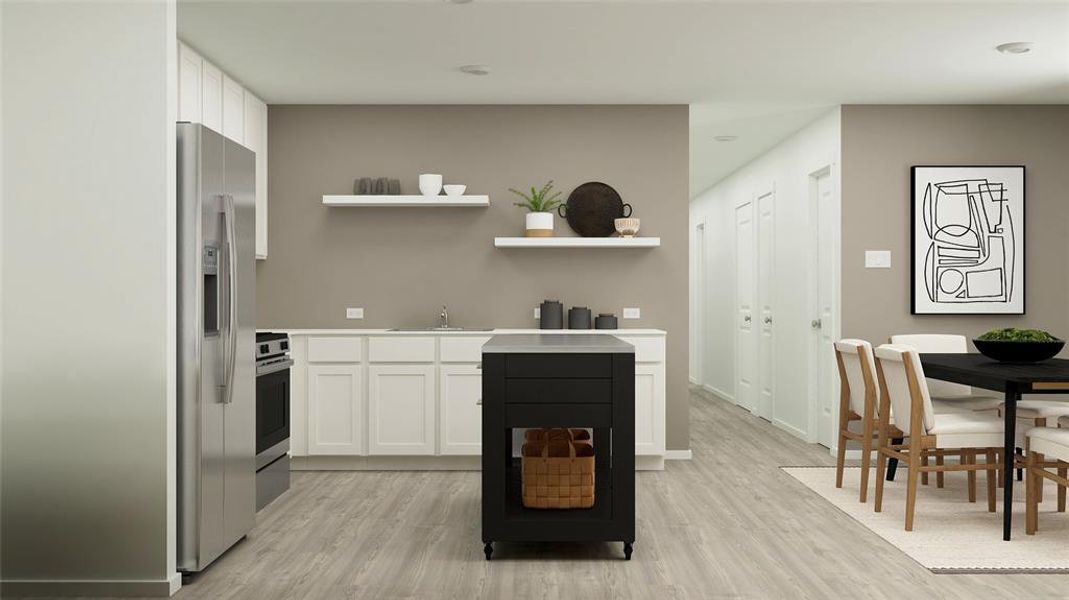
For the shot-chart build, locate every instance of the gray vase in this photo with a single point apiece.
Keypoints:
(579, 318)
(551, 315)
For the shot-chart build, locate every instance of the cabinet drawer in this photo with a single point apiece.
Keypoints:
(401, 349)
(647, 349)
(335, 349)
(558, 391)
(558, 365)
(462, 348)
(558, 415)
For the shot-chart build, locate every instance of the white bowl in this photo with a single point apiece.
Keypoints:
(626, 227)
(453, 189)
(430, 184)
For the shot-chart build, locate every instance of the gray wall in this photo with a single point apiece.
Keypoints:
(881, 143)
(87, 342)
(401, 265)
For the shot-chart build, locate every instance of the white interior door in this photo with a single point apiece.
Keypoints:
(823, 370)
(766, 234)
(745, 344)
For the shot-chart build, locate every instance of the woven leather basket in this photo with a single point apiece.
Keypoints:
(558, 472)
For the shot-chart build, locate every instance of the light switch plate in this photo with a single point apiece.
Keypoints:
(538, 312)
(354, 313)
(877, 259)
(632, 313)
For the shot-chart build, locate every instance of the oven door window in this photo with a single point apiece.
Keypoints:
(272, 409)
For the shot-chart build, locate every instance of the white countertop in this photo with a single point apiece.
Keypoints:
(485, 333)
(529, 343)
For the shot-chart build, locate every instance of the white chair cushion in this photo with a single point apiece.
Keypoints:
(851, 350)
(938, 343)
(1039, 409)
(1050, 441)
(970, 402)
(967, 430)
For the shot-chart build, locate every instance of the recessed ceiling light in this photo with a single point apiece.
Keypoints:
(725, 138)
(1015, 48)
(474, 69)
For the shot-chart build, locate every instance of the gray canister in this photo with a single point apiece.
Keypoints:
(551, 315)
(606, 321)
(579, 318)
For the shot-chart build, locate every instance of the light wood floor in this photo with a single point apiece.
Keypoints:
(728, 524)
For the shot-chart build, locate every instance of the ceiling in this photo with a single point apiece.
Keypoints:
(757, 70)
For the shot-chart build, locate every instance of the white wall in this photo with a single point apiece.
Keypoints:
(787, 168)
(88, 286)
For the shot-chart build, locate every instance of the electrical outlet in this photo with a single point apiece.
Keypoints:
(538, 313)
(354, 313)
(632, 313)
(877, 259)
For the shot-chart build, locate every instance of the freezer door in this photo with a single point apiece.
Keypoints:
(240, 427)
(201, 450)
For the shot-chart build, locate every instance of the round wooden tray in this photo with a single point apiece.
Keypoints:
(591, 209)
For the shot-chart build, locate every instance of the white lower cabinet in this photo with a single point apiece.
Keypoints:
(460, 427)
(649, 409)
(335, 410)
(401, 409)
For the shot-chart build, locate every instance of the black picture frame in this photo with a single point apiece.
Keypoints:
(1020, 259)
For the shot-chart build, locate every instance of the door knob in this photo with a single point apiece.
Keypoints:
(768, 320)
(747, 318)
(479, 402)
(816, 324)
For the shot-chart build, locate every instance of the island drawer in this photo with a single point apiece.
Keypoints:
(582, 366)
(562, 391)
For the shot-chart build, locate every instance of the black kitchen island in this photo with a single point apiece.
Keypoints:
(577, 381)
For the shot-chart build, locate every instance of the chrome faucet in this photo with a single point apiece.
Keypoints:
(443, 318)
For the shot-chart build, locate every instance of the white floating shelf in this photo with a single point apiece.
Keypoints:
(577, 242)
(424, 201)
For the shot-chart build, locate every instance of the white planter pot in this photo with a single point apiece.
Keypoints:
(430, 184)
(539, 224)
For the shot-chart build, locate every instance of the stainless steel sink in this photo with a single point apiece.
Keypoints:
(441, 329)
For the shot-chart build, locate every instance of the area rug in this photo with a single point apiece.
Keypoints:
(950, 534)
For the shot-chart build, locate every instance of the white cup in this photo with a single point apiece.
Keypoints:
(430, 184)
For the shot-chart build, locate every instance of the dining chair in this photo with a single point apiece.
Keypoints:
(1047, 458)
(952, 396)
(902, 391)
(857, 402)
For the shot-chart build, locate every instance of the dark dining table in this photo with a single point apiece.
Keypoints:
(1011, 379)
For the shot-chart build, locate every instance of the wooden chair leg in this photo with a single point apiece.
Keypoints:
(939, 474)
(924, 475)
(969, 458)
(866, 462)
(881, 468)
(1031, 512)
(1062, 489)
(840, 460)
(990, 474)
(911, 487)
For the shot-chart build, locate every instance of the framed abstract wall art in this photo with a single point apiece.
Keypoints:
(967, 240)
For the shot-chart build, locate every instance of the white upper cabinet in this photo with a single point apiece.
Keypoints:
(211, 97)
(189, 84)
(256, 140)
(233, 110)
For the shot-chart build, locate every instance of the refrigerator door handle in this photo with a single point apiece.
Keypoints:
(231, 306)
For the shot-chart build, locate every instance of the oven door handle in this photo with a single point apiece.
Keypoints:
(274, 367)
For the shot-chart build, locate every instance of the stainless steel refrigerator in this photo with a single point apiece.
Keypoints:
(216, 338)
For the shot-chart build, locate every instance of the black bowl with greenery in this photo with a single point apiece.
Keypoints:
(1014, 345)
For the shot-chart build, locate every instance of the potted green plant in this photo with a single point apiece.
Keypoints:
(540, 204)
(1011, 344)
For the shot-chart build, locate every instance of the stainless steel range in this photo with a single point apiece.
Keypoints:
(272, 416)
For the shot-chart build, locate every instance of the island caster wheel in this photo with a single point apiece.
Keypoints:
(628, 549)
(488, 549)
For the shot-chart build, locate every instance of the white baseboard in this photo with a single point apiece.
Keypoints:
(791, 429)
(122, 588)
(719, 393)
(678, 455)
(693, 381)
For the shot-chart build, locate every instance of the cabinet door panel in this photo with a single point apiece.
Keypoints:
(401, 409)
(233, 110)
(211, 90)
(460, 430)
(649, 409)
(335, 409)
(190, 65)
(256, 140)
